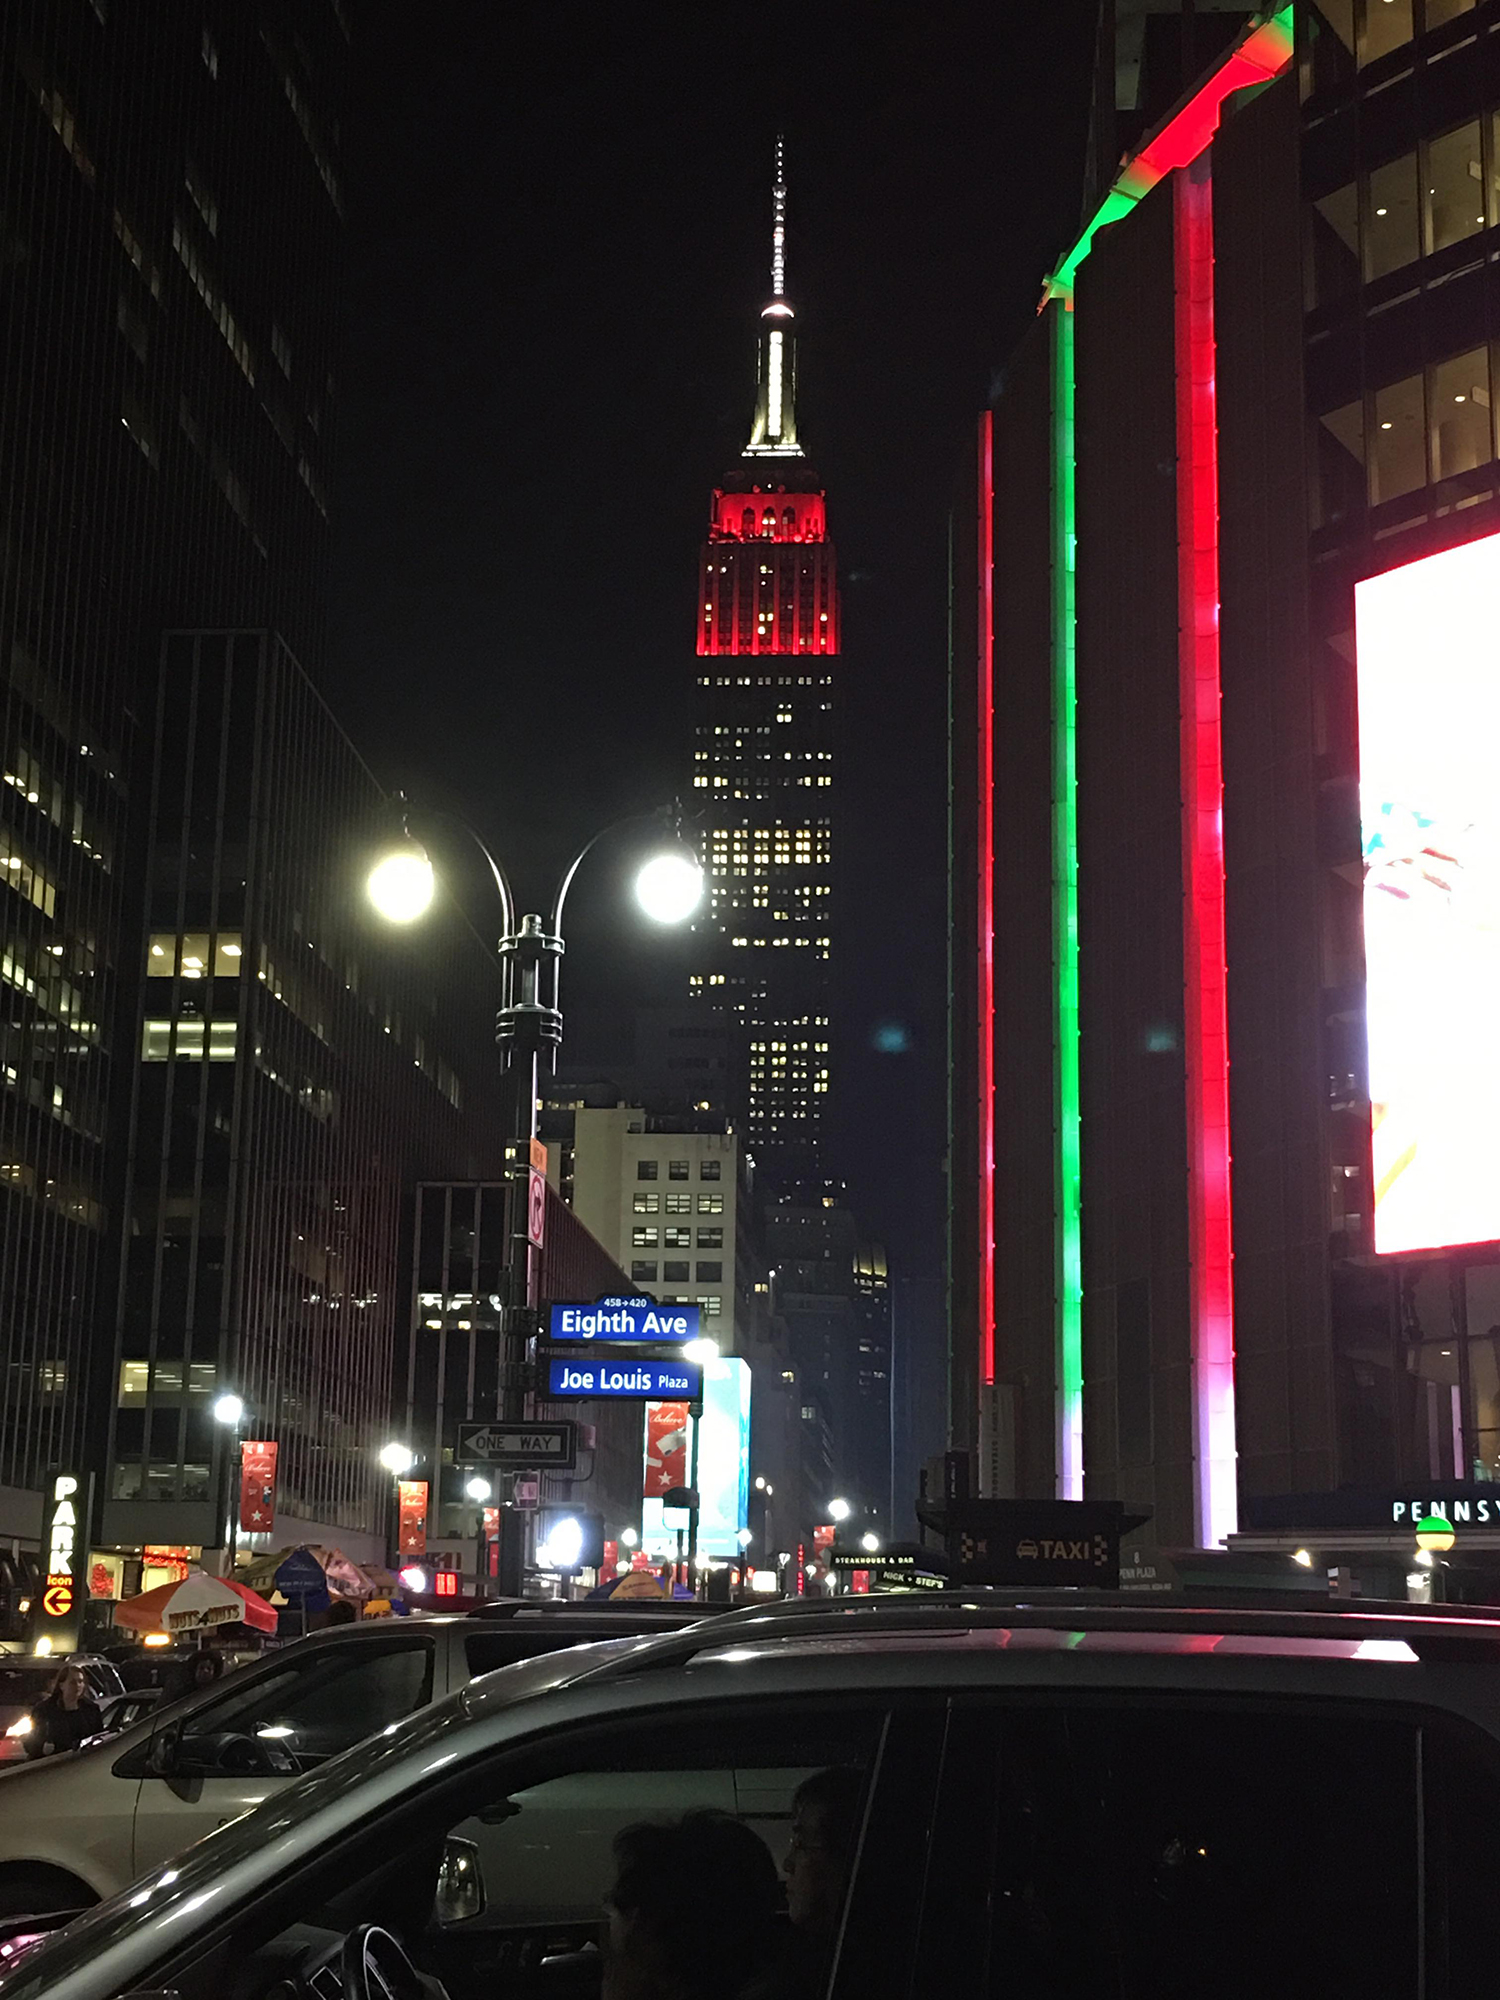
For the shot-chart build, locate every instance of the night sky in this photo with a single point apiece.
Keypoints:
(560, 223)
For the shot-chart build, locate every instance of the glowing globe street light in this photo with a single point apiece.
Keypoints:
(839, 1510)
(669, 887)
(1435, 1531)
(228, 1410)
(401, 884)
(398, 1459)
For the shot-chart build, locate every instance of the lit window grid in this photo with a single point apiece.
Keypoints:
(760, 597)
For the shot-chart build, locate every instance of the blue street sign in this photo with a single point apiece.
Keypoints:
(636, 1381)
(625, 1319)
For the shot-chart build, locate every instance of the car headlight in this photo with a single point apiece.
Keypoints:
(23, 1727)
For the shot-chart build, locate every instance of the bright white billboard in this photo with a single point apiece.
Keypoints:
(723, 1467)
(1428, 658)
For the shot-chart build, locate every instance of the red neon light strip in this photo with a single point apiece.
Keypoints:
(986, 913)
(1205, 977)
(1262, 53)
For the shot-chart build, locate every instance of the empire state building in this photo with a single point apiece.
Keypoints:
(763, 769)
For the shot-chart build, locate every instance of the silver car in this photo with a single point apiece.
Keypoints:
(79, 1827)
(1085, 1799)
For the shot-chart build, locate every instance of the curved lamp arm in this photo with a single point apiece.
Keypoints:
(669, 818)
(497, 873)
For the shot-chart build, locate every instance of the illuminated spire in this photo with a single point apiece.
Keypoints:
(773, 433)
(778, 223)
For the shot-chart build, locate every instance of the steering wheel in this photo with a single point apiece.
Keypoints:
(244, 1757)
(374, 1966)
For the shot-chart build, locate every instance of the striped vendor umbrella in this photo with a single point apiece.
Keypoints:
(194, 1604)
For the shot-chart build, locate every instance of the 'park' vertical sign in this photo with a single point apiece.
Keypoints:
(58, 1615)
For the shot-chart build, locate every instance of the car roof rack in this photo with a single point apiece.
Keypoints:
(497, 1610)
(1433, 1632)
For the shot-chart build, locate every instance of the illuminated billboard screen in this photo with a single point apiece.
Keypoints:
(723, 1467)
(1428, 653)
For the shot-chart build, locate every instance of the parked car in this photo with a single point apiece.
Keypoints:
(24, 1680)
(1143, 1802)
(111, 1810)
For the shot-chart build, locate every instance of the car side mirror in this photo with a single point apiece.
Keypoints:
(161, 1758)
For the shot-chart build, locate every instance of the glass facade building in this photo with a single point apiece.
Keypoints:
(1400, 106)
(298, 1068)
(170, 242)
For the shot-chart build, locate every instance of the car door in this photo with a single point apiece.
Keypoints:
(1155, 1848)
(228, 1754)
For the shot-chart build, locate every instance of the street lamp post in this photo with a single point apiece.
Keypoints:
(528, 1031)
(528, 1027)
(229, 1410)
(480, 1492)
(398, 1460)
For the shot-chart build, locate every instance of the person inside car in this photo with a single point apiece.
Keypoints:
(187, 1676)
(825, 1826)
(692, 1912)
(64, 1716)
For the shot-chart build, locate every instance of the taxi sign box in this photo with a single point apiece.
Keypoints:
(639, 1319)
(1038, 1541)
(626, 1380)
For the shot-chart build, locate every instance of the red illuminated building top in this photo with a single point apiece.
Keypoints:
(768, 575)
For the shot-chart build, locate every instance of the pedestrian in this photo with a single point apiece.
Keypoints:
(186, 1677)
(65, 1715)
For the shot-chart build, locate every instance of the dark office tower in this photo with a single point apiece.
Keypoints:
(763, 770)
(170, 229)
(300, 1068)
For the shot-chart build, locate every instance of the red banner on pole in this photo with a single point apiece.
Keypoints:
(412, 1538)
(257, 1486)
(666, 1449)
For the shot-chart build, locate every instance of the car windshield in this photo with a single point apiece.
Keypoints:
(403, 1754)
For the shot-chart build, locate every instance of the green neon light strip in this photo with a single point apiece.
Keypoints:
(1068, 1287)
(1261, 53)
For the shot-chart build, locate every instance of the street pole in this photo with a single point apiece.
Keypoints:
(236, 1487)
(695, 1411)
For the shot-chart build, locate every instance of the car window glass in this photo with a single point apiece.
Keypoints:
(485, 1651)
(1157, 1853)
(1461, 1793)
(528, 1876)
(325, 1700)
(21, 1686)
